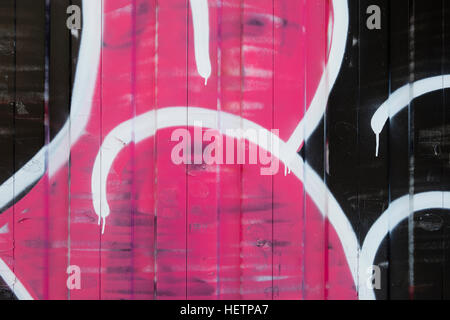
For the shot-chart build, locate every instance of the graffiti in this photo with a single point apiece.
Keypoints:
(402, 97)
(137, 193)
(74, 279)
(374, 279)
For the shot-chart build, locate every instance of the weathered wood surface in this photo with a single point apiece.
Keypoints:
(224, 231)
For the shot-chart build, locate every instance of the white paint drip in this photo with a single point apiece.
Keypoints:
(81, 104)
(200, 18)
(287, 170)
(401, 98)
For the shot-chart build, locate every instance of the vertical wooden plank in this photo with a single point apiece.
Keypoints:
(315, 265)
(202, 176)
(289, 107)
(373, 168)
(171, 179)
(118, 106)
(59, 66)
(31, 233)
(341, 154)
(144, 227)
(7, 106)
(257, 190)
(428, 137)
(229, 184)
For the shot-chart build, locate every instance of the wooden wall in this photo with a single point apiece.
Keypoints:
(200, 231)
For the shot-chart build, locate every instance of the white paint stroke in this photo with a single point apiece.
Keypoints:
(200, 19)
(401, 98)
(81, 104)
(398, 211)
(318, 105)
(4, 229)
(171, 117)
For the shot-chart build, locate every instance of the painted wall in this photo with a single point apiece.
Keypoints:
(357, 122)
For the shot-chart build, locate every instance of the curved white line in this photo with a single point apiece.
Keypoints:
(200, 19)
(121, 136)
(83, 91)
(318, 105)
(398, 211)
(401, 98)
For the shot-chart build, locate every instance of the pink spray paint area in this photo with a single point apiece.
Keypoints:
(189, 231)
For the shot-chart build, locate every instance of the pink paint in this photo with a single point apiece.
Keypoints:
(221, 232)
